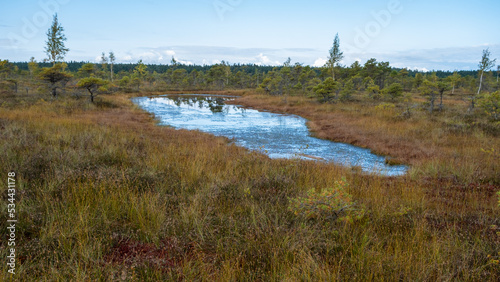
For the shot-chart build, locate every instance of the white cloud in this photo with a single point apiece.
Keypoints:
(126, 58)
(460, 58)
(169, 53)
(149, 56)
(319, 62)
(182, 62)
(420, 69)
(264, 60)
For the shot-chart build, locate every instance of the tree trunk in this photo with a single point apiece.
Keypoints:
(54, 93)
(111, 72)
(480, 83)
(91, 95)
(478, 92)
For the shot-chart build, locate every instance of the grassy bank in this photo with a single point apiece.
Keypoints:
(451, 145)
(104, 193)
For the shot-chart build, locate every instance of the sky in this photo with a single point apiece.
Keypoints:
(414, 34)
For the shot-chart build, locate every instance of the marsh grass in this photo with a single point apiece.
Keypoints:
(105, 194)
(452, 143)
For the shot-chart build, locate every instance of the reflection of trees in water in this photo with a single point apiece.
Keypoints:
(177, 102)
(214, 104)
(241, 109)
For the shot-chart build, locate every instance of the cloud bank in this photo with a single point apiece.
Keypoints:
(457, 58)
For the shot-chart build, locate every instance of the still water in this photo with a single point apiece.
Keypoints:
(277, 135)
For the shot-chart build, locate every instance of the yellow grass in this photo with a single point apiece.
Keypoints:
(104, 193)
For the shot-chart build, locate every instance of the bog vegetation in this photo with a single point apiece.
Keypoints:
(104, 193)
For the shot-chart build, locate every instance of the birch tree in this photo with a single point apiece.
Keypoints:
(111, 63)
(485, 65)
(104, 62)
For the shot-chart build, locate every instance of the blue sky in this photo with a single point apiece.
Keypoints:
(423, 34)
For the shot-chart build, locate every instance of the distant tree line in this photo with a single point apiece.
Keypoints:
(73, 66)
(331, 83)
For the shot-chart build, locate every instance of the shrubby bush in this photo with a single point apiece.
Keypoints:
(329, 204)
(490, 103)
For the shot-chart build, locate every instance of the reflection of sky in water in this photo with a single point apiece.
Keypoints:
(281, 136)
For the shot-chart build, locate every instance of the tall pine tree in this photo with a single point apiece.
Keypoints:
(55, 48)
(335, 55)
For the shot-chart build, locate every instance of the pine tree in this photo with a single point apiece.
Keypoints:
(335, 55)
(55, 48)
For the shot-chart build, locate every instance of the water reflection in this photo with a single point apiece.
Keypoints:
(277, 135)
(214, 104)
